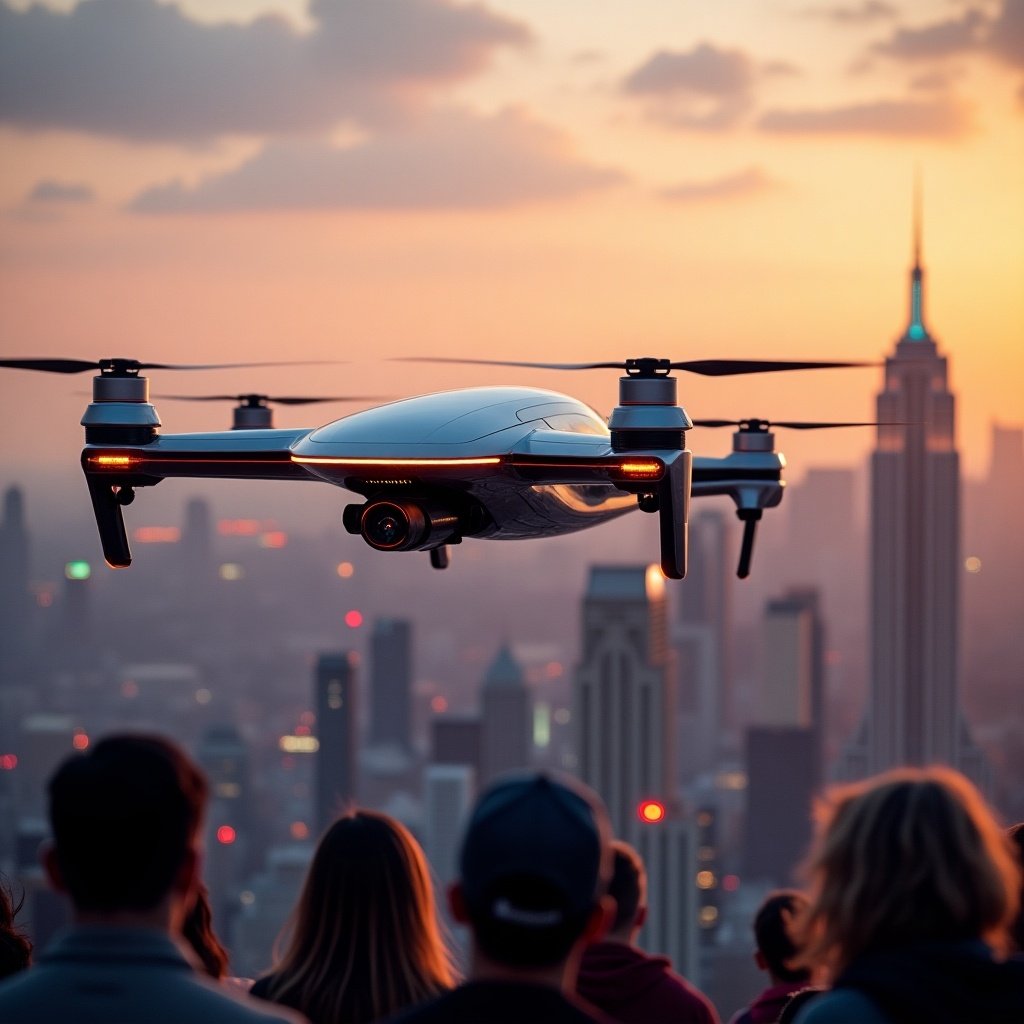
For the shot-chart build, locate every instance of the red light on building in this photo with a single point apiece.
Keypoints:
(353, 619)
(226, 835)
(80, 741)
(439, 705)
(730, 883)
(239, 527)
(650, 811)
(157, 535)
(8, 762)
(274, 539)
(299, 830)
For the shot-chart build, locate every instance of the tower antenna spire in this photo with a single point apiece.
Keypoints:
(917, 216)
(916, 330)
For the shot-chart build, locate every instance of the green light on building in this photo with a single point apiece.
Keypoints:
(541, 725)
(78, 570)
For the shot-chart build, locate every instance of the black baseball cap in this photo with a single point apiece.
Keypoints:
(536, 854)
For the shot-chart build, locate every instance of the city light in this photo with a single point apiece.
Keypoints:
(80, 741)
(231, 571)
(353, 619)
(157, 535)
(438, 705)
(274, 539)
(706, 880)
(346, 570)
(972, 564)
(651, 811)
(239, 527)
(708, 916)
(298, 744)
(77, 570)
(299, 830)
(8, 762)
(730, 883)
(226, 835)
(203, 696)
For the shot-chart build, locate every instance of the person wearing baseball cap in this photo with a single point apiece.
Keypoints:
(534, 869)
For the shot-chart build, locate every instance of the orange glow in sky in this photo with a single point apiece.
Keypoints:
(544, 181)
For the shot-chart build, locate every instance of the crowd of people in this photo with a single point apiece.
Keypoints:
(911, 913)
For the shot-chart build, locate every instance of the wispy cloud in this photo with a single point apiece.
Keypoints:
(938, 118)
(940, 39)
(864, 13)
(145, 71)
(703, 88)
(454, 160)
(751, 181)
(47, 190)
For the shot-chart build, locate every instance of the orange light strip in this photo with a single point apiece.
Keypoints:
(114, 461)
(641, 469)
(324, 460)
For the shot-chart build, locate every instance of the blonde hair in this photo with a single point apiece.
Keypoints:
(914, 855)
(364, 941)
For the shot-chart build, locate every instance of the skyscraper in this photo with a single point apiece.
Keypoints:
(913, 715)
(702, 638)
(391, 682)
(506, 717)
(15, 604)
(335, 770)
(622, 696)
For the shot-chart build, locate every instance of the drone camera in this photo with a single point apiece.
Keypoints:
(403, 525)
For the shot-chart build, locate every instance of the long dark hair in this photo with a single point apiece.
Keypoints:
(363, 942)
(15, 948)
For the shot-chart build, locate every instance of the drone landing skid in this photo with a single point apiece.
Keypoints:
(673, 506)
(439, 557)
(107, 503)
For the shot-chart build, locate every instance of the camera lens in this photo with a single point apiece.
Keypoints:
(385, 525)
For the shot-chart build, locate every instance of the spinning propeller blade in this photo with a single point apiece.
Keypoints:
(48, 365)
(651, 367)
(757, 424)
(257, 399)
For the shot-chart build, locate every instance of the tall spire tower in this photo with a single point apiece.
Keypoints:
(913, 715)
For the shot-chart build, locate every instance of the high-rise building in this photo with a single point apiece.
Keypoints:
(623, 710)
(457, 739)
(15, 599)
(622, 694)
(913, 714)
(506, 717)
(334, 786)
(448, 793)
(391, 683)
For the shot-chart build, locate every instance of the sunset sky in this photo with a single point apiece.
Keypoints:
(529, 179)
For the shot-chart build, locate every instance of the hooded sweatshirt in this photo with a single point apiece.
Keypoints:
(934, 983)
(765, 1009)
(636, 988)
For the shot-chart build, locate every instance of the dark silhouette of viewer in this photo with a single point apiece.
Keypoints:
(364, 941)
(913, 888)
(15, 948)
(621, 979)
(125, 818)
(1016, 835)
(776, 953)
(534, 866)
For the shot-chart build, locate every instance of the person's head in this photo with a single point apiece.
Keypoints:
(628, 887)
(125, 817)
(914, 855)
(197, 931)
(534, 868)
(773, 933)
(364, 941)
(1016, 835)
(15, 948)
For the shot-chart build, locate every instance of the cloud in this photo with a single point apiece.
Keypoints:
(145, 71)
(454, 160)
(1006, 37)
(48, 190)
(706, 87)
(940, 39)
(743, 183)
(937, 118)
(868, 11)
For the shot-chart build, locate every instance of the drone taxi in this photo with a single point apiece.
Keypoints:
(487, 462)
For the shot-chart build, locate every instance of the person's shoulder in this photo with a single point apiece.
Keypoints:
(223, 1004)
(841, 1006)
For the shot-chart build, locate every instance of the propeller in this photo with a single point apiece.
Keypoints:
(650, 367)
(257, 400)
(760, 425)
(130, 367)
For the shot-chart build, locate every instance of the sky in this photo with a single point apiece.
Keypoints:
(356, 180)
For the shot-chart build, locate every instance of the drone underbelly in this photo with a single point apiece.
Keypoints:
(548, 510)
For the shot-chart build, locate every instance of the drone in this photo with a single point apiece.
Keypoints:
(499, 462)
